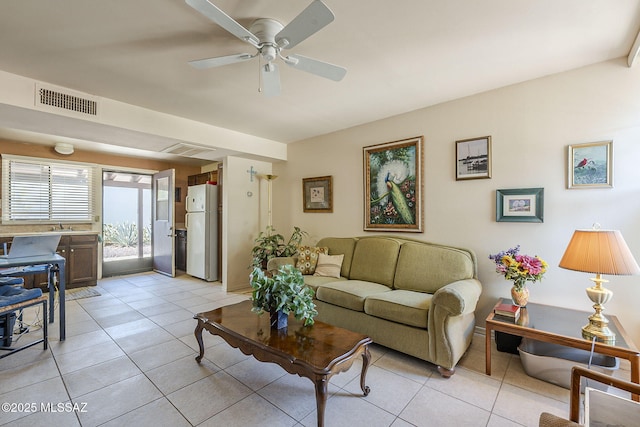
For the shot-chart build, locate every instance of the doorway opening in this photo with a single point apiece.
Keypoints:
(126, 226)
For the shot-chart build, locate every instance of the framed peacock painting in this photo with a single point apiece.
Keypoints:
(393, 186)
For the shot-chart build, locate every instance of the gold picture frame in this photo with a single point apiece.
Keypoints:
(590, 165)
(317, 194)
(393, 186)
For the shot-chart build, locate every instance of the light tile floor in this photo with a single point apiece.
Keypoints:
(129, 360)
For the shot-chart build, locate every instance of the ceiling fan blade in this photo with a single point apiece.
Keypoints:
(219, 61)
(270, 79)
(212, 12)
(311, 20)
(319, 68)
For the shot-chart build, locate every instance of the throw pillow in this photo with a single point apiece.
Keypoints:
(329, 265)
(308, 258)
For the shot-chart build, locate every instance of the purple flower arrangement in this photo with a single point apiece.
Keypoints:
(519, 268)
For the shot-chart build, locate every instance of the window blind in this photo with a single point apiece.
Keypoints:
(38, 190)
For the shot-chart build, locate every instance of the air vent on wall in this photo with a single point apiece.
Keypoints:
(188, 150)
(64, 101)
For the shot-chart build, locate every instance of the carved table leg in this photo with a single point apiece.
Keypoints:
(366, 358)
(198, 334)
(321, 398)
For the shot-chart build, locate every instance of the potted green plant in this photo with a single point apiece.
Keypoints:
(281, 294)
(270, 244)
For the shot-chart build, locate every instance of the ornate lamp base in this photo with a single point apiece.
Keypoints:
(597, 327)
(598, 324)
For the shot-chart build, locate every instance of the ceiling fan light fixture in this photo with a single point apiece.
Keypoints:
(269, 53)
(64, 148)
(269, 37)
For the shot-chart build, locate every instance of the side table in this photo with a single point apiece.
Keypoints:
(562, 326)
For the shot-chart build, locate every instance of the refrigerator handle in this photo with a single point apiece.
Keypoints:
(186, 221)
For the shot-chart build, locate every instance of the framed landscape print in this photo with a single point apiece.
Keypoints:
(473, 158)
(393, 186)
(317, 194)
(590, 165)
(520, 205)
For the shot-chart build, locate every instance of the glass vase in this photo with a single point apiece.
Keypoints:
(520, 295)
(279, 319)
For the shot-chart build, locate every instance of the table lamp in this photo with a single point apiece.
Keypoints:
(600, 252)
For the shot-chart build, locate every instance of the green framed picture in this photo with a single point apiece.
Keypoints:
(520, 205)
(393, 186)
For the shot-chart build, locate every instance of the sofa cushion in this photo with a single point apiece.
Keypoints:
(349, 294)
(308, 258)
(406, 307)
(314, 282)
(341, 245)
(329, 265)
(374, 260)
(427, 267)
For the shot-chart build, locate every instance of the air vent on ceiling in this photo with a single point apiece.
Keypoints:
(62, 100)
(188, 150)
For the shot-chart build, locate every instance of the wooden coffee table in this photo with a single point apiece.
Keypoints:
(316, 352)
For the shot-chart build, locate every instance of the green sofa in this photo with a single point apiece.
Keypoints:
(409, 295)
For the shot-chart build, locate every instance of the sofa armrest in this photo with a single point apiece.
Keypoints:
(459, 297)
(275, 263)
(452, 320)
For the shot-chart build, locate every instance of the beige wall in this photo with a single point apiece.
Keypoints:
(244, 216)
(531, 125)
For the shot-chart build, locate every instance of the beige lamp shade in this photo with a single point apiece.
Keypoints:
(599, 251)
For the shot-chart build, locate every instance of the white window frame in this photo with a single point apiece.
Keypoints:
(54, 197)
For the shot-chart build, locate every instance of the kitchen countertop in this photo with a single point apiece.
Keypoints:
(38, 233)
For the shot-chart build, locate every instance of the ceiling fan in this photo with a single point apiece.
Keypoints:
(270, 37)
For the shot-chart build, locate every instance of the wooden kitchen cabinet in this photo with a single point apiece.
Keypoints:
(81, 254)
(203, 178)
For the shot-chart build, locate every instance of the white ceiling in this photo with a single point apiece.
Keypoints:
(400, 55)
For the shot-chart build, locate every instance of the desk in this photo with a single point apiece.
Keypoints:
(55, 263)
(562, 326)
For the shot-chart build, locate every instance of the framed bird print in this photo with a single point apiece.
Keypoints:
(590, 165)
(393, 186)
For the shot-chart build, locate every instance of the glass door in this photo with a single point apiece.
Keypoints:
(126, 229)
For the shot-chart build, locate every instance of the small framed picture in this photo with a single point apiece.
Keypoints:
(520, 205)
(473, 158)
(590, 165)
(317, 194)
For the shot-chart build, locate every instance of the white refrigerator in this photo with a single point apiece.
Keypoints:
(202, 231)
